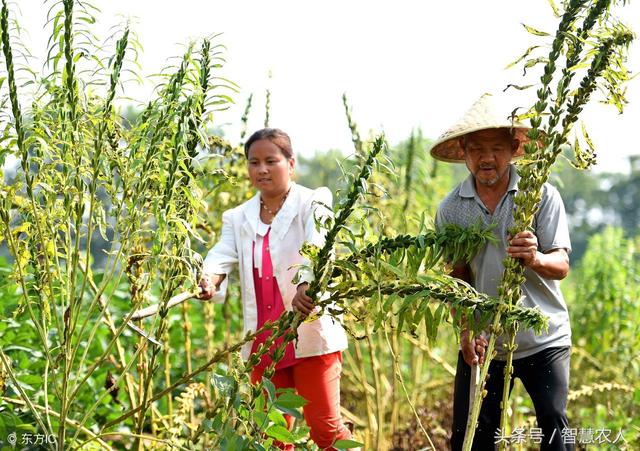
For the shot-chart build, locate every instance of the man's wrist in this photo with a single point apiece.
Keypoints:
(538, 261)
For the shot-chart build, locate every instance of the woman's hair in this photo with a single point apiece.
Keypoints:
(276, 136)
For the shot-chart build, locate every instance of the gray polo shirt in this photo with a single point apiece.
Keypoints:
(463, 207)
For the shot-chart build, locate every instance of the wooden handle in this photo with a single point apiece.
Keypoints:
(153, 309)
(474, 382)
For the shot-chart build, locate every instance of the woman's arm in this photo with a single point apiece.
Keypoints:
(220, 259)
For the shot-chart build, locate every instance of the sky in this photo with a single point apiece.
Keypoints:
(403, 64)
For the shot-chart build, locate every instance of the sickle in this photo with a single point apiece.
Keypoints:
(177, 299)
(153, 309)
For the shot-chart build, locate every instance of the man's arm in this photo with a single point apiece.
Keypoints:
(473, 349)
(553, 265)
(462, 271)
(546, 249)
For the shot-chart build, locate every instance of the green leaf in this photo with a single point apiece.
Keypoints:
(269, 387)
(300, 433)
(260, 418)
(260, 403)
(290, 400)
(279, 433)
(295, 413)
(397, 271)
(579, 66)
(277, 418)
(587, 139)
(30, 379)
(26, 427)
(346, 444)
(532, 62)
(554, 8)
(225, 384)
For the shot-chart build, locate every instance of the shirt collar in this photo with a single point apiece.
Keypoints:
(281, 223)
(468, 186)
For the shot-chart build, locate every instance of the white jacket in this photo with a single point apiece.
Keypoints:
(293, 225)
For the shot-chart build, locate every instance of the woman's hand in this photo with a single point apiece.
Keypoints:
(301, 302)
(207, 287)
(472, 350)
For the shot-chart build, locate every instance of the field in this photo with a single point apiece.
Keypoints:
(106, 212)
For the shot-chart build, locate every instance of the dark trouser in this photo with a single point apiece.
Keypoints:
(545, 376)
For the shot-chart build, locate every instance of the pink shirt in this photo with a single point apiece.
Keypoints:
(270, 307)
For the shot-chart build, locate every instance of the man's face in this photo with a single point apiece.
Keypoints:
(488, 154)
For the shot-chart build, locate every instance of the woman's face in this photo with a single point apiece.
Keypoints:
(269, 170)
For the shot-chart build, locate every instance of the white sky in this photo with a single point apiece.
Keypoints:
(403, 64)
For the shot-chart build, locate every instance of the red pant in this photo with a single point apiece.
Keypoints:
(316, 379)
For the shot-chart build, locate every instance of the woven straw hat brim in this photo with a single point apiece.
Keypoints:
(447, 148)
(488, 112)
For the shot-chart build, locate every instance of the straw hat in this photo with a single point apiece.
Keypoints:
(486, 113)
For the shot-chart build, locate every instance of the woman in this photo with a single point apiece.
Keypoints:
(263, 236)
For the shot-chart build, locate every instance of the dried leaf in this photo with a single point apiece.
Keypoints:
(534, 31)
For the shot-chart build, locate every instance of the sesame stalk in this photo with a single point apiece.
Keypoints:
(541, 152)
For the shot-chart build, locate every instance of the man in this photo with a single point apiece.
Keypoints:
(487, 144)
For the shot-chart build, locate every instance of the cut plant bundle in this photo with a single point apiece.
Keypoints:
(588, 35)
(406, 267)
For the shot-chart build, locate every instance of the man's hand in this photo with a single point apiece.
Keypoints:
(525, 247)
(301, 302)
(207, 286)
(472, 350)
(553, 265)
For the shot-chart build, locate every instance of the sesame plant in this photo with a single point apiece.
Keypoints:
(587, 53)
(83, 178)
